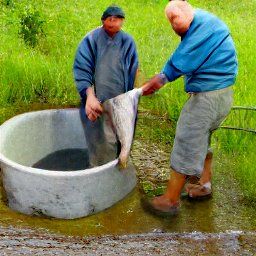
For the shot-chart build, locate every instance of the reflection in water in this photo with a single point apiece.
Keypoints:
(196, 214)
(71, 159)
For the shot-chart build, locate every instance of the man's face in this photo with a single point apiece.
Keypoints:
(180, 23)
(112, 24)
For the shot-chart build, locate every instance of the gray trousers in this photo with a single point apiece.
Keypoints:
(200, 116)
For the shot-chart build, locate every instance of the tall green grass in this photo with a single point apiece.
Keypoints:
(44, 73)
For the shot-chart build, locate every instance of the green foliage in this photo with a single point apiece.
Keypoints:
(8, 3)
(152, 189)
(31, 26)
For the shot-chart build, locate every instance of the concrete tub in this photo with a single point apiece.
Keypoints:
(27, 138)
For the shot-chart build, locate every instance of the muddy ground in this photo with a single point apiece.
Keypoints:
(223, 225)
(28, 242)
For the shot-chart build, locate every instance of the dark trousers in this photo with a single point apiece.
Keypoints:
(102, 143)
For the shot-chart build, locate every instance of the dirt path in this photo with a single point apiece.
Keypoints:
(27, 242)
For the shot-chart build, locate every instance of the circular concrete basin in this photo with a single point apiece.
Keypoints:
(27, 138)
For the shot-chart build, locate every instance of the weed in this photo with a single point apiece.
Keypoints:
(31, 26)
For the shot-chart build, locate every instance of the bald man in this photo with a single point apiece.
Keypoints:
(206, 57)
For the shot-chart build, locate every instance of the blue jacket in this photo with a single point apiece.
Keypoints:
(90, 51)
(206, 55)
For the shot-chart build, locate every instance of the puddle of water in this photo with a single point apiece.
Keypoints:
(128, 217)
(71, 159)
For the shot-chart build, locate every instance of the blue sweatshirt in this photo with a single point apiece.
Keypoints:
(110, 64)
(206, 55)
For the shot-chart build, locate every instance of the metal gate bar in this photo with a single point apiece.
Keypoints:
(240, 128)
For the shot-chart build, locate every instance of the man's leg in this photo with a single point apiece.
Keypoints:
(203, 188)
(177, 182)
(170, 199)
(207, 171)
(187, 155)
(222, 100)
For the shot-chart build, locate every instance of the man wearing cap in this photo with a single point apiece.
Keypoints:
(105, 66)
(206, 56)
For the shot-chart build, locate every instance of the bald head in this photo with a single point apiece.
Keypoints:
(180, 14)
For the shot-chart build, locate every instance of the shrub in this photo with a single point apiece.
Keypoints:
(8, 3)
(31, 26)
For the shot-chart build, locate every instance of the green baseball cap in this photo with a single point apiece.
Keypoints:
(113, 10)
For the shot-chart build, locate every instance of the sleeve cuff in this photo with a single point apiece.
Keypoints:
(163, 78)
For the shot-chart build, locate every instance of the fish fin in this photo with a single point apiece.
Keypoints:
(122, 163)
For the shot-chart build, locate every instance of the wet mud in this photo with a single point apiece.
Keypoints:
(28, 242)
(222, 225)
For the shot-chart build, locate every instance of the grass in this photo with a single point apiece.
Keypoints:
(44, 74)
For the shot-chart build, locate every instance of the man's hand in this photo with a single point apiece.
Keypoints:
(154, 84)
(93, 108)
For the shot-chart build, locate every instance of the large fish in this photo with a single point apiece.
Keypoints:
(122, 112)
